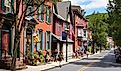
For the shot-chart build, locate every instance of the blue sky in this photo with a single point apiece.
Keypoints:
(91, 5)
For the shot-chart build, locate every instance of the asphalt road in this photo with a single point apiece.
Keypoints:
(104, 61)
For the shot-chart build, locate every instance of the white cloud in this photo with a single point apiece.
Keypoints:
(92, 5)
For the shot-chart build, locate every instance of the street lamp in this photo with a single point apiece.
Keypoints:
(66, 43)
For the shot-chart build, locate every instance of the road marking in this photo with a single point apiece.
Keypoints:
(90, 64)
(86, 66)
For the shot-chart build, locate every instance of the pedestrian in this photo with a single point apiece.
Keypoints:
(45, 56)
(55, 55)
(87, 53)
(60, 57)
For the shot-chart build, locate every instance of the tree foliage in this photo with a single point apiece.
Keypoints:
(99, 27)
(114, 12)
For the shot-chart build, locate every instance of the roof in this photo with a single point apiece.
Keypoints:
(58, 16)
(63, 8)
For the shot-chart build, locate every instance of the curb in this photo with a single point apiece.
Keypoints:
(70, 62)
(54, 67)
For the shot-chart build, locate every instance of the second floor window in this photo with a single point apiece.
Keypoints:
(59, 27)
(84, 33)
(80, 32)
(41, 13)
(48, 15)
(30, 9)
(6, 6)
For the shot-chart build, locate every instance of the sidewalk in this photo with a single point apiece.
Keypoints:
(49, 65)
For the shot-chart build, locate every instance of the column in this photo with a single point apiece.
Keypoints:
(25, 40)
(58, 47)
(43, 40)
(0, 39)
(38, 44)
(32, 41)
(50, 40)
(11, 41)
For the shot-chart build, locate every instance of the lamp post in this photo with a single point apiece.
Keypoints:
(66, 44)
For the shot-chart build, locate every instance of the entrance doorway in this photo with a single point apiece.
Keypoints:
(29, 40)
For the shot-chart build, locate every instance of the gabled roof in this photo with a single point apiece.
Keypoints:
(58, 16)
(63, 8)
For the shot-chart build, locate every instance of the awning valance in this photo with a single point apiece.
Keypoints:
(59, 38)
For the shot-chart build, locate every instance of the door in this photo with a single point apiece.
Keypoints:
(29, 41)
(5, 41)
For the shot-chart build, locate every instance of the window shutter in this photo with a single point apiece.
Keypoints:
(3, 5)
(49, 16)
(43, 40)
(46, 40)
(42, 12)
(38, 44)
(7, 3)
(39, 13)
(12, 4)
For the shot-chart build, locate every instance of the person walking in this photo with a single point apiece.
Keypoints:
(60, 57)
(87, 53)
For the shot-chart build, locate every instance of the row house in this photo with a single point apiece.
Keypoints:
(51, 24)
(62, 28)
(42, 28)
(80, 28)
(7, 35)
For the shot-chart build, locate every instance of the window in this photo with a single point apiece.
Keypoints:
(48, 15)
(40, 38)
(84, 33)
(65, 26)
(40, 15)
(29, 10)
(59, 27)
(6, 6)
(48, 40)
(80, 32)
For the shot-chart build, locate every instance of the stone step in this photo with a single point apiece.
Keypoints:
(21, 67)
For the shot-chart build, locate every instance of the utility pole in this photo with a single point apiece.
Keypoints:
(66, 45)
(67, 35)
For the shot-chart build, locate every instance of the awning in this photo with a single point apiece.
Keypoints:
(58, 16)
(60, 38)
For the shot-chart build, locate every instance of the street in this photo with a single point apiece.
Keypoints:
(98, 62)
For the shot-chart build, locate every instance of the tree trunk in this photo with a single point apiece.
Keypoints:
(13, 66)
(16, 42)
(100, 49)
(93, 47)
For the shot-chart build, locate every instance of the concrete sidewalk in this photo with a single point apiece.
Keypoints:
(49, 65)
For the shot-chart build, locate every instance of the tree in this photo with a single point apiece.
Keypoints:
(99, 27)
(19, 12)
(114, 12)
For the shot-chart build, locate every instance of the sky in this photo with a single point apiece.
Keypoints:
(91, 5)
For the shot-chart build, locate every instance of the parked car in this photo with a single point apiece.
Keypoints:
(117, 53)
